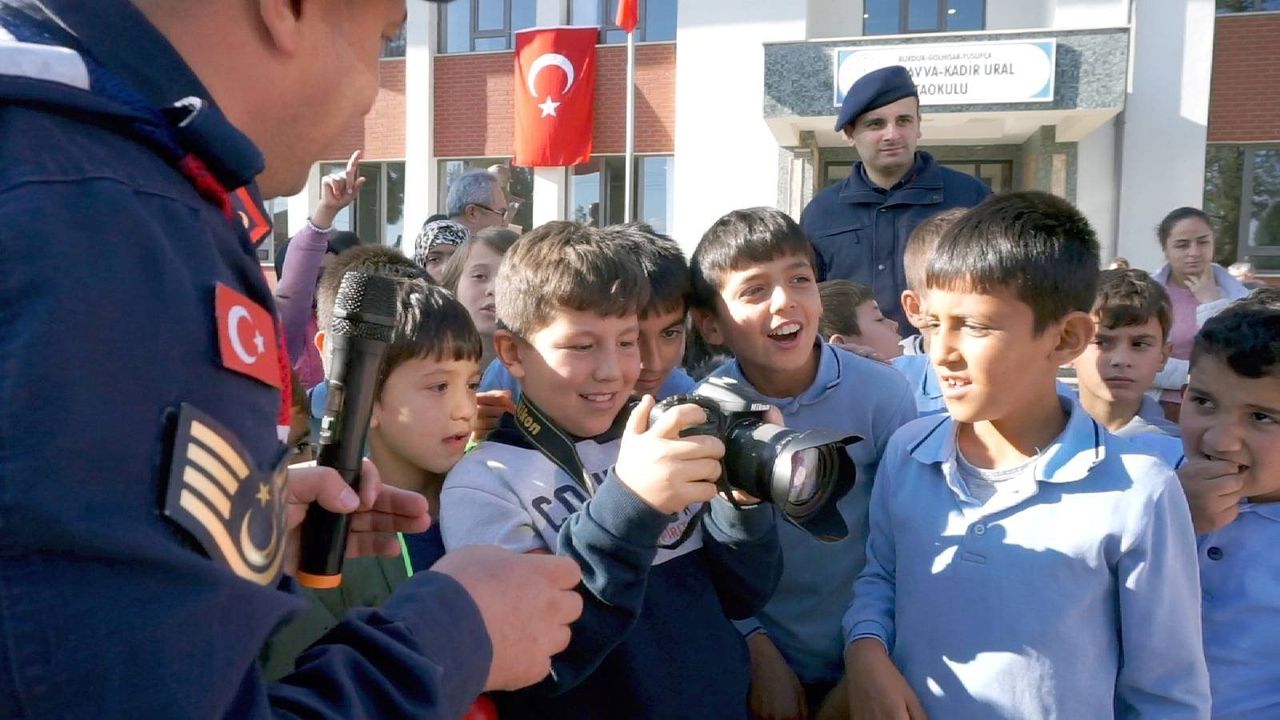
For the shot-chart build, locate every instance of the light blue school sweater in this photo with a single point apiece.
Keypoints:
(1240, 573)
(923, 379)
(849, 394)
(1076, 598)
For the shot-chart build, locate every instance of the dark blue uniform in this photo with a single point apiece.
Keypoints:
(141, 492)
(860, 230)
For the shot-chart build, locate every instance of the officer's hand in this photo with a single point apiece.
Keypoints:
(668, 472)
(1214, 489)
(379, 511)
(527, 602)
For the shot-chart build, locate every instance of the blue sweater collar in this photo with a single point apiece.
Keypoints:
(826, 379)
(1076, 451)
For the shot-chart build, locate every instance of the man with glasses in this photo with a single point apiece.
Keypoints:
(477, 201)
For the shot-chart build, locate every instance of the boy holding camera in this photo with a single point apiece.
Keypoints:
(754, 291)
(570, 473)
(1022, 561)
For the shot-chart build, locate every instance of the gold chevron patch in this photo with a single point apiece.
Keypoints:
(234, 508)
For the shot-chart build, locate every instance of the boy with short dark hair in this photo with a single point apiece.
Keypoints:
(914, 363)
(1133, 316)
(850, 314)
(424, 402)
(571, 474)
(1231, 432)
(1022, 561)
(754, 291)
(662, 319)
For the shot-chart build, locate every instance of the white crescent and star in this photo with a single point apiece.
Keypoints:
(234, 316)
(547, 60)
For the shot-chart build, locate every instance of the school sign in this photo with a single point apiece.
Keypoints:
(973, 73)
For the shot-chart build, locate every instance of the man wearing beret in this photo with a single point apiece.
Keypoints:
(859, 227)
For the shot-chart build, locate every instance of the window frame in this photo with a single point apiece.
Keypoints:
(637, 189)
(1255, 6)
(506, 33)
(904, 18)
(607, 24)
(1246, 250)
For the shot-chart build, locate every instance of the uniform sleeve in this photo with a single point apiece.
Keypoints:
(900, 409)
(424, 654)
(745, 557)
(296, 290)
(1162, 671)
(874, 591)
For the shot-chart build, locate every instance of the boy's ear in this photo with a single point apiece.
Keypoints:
(837, 339)
(911, 307)
(320, 339)
(1074, 335)
(708, 325)
(1165, 351)
(507, 348)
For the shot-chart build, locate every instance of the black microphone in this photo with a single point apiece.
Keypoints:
(363, 319)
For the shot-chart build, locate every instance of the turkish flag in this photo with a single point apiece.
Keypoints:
(246, 337)
(628, 15)
(555, 87)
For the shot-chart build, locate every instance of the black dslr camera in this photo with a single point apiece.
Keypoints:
(803, 473)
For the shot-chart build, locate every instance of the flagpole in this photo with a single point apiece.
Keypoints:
(629, 184)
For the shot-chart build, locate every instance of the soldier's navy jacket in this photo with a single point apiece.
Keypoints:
(141, 517)
(859, 230)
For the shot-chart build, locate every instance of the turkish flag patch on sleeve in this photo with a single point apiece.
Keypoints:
(246, 337)
(555, 87)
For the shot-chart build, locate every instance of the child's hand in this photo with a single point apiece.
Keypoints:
(337, 191)
(490, 407)
(1214, 489)
(776, 692)
(667, 471)
(877, 691)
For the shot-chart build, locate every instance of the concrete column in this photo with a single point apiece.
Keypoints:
(550, 194)
(304, 203)
(421, 178)
(1165, 122)
(1097, 187)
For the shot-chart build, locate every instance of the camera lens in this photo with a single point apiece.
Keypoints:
(806, 475)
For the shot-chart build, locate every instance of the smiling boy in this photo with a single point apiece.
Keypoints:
(1022, 561)
(755, 292)
(575, 474)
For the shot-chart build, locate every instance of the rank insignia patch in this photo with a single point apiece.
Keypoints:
(234, 509)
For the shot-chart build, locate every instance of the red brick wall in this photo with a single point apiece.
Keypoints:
(381, 132)
(1244, 103)
(473, 102)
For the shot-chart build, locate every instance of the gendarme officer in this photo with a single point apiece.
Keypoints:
(860, 226)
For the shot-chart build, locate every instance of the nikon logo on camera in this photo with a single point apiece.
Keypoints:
(531, 426)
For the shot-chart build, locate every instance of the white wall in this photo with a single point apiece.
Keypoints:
(1097, 13)
(726, 158)
(1097, 187)
(833, 18)
(1019, 14)
(1165, 121)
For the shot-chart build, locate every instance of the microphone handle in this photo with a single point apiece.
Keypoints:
(344, 429)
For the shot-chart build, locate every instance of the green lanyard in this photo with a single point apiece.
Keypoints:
(404, 553)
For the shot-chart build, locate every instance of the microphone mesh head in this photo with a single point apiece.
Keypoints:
(365, 306)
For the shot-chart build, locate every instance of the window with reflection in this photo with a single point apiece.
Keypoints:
(898, 17)
(479, 25)
(657, 19)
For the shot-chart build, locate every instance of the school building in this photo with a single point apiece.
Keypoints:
(1129, 108)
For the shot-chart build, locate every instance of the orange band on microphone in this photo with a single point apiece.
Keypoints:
(319, 582)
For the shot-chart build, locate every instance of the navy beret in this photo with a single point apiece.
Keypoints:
(875, 90)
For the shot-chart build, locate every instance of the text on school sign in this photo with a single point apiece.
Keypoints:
(976, 73)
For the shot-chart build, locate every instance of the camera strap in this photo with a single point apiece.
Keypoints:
(552, 442)
(557, 446)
